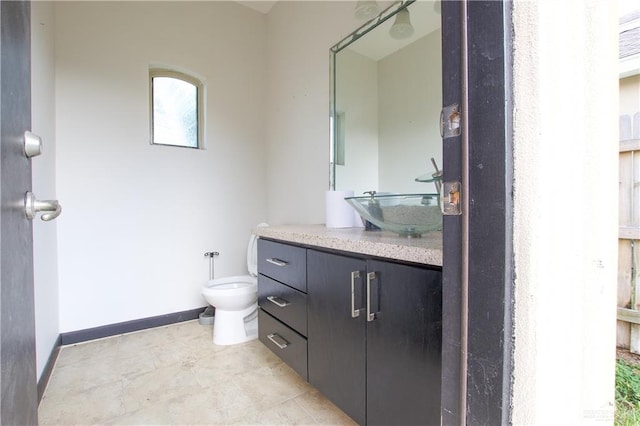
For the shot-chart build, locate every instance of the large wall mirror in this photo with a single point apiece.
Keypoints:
(386, 101)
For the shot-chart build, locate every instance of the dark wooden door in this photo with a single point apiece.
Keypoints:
(17, 324)
(336, 340)
(477, 253)
(453, 391)
(403, 345)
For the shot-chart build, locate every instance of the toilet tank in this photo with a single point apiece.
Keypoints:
(252, 255)
(252, 252)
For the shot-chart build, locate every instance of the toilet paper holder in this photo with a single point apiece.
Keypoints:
(211, 255)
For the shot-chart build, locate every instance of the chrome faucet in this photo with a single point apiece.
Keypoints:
(374, 210)
(437, 176)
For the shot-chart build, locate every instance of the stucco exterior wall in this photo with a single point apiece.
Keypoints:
(565, 86)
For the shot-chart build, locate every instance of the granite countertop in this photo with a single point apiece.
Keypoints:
(426, 249)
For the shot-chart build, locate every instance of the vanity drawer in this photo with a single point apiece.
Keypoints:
(284, 342)
(283, 302)
(284, 263)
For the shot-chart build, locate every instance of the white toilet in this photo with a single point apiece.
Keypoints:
(236, 302)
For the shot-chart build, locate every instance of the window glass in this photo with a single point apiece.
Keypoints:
(175, 110)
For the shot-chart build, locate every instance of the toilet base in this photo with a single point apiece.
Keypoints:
(233, 327)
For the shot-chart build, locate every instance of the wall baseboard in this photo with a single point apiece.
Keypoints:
(107, 331)
(128, 326)
(48, 369)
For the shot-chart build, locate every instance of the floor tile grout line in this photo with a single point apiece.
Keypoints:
(297, 402)
(178, 356)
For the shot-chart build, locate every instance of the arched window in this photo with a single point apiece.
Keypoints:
(177, 108)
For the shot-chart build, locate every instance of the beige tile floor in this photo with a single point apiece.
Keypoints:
(175, 375)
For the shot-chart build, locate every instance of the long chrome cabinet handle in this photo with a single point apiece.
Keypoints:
(277, 262)
(371, 276)
(278, 301)
(278, 340)
(355, 313)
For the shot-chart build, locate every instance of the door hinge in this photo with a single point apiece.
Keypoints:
(450, 198)
(450, 118)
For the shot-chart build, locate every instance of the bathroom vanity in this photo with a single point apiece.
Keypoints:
(357, 314)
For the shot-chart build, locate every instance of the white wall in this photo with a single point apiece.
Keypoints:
(299, 35)
(409, 110)
(391, 135)
(565, 211)
(137, 218)
(357, 89)
(45, 258)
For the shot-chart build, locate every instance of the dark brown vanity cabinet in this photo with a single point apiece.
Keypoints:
(374, 337)
(282, 287)
(366, 333)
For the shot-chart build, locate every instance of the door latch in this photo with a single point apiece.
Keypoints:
(450, 199)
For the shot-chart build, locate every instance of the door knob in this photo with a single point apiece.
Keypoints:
(32, 144)
(33, 206)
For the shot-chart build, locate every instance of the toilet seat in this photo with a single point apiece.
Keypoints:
(231, 293)
(233, 285)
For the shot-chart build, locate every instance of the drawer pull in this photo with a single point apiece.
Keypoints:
(370, 315)
(278, 340)
(355, 313)
(278, 301)
(277, 262)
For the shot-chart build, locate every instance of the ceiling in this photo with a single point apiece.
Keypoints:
(377, 44)
(263, 6)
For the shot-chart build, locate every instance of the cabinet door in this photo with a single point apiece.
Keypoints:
(403, 345)
(336, 340)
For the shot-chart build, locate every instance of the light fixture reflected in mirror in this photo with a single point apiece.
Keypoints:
(366, 9)
(401, 27)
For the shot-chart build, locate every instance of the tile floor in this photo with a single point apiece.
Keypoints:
(175, 375)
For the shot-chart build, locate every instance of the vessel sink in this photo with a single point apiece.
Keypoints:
(409, 215)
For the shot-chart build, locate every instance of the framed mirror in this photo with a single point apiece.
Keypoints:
(386, 97)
